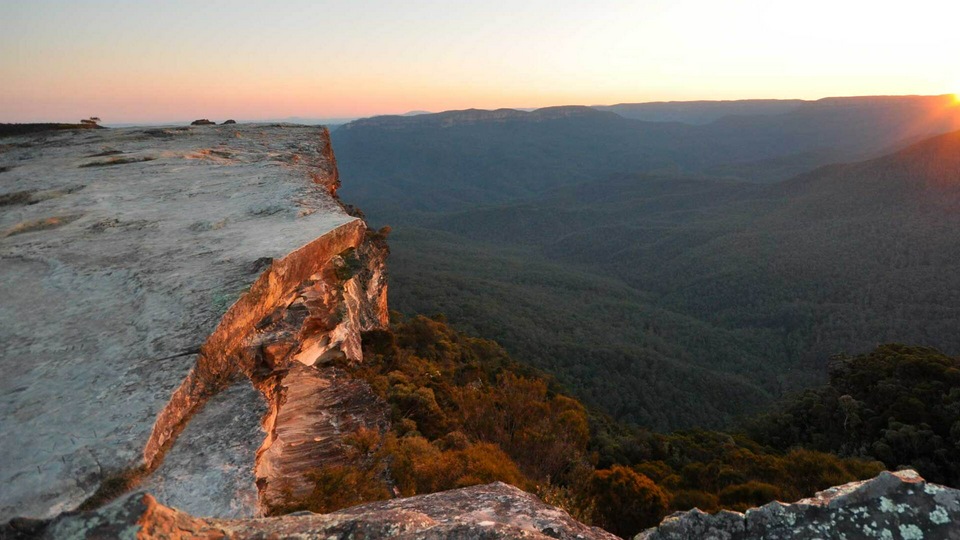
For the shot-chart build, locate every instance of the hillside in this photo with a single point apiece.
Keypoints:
(676, 282)
(409, 166)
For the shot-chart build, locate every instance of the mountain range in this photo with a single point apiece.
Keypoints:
(711, 267)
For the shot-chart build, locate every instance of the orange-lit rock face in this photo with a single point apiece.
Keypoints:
(136, 266)
(316, 408)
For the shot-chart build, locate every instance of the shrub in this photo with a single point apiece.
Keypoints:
(743, 496)
(687, 499)
(626, 501)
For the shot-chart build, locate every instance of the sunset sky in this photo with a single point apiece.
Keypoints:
(139, 61)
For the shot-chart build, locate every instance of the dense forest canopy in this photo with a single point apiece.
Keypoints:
(896, 404)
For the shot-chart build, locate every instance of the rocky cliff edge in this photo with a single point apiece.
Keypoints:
(165, 291)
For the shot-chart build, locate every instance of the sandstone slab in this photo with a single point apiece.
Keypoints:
(209, 471)
(123, 256)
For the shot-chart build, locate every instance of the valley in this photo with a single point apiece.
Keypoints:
(671, 280)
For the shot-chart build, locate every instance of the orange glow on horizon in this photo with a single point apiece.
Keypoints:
(138, 62)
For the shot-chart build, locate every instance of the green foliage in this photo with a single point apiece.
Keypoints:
(571, 498)
(686, 499)
(897, 404)
(349, 265)
(698, 466)
(419, 466)
(743, 496)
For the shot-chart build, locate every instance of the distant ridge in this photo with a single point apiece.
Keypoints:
(705, 112)
(475, 116)
(608, 244)
(700, 112)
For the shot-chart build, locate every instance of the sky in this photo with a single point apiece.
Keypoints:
(154, 61)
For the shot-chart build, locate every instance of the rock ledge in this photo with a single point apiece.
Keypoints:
(899, 505)
(490, 511)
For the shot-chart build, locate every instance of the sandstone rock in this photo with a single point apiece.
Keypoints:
(893, 505)
(491, 512)
(134, 270)
(208, 472)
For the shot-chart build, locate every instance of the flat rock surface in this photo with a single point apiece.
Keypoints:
(209, 470)
(120, 251)
(891, 506)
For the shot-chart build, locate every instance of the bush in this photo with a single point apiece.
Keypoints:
(338, 487)
(743, 496)
(688, 499)
(417, 466)
(626, 501)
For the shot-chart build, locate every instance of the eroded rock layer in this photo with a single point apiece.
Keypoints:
(320, 406)
(897, 505)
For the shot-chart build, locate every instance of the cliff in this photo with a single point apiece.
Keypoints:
(169, 293)
(182, 314)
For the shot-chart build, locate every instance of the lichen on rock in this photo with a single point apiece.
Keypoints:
(892, 505)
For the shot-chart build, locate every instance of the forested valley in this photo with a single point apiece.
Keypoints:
(656, 281)
(463, 412)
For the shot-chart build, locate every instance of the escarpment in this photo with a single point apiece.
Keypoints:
(183, 310)
(160, 279)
